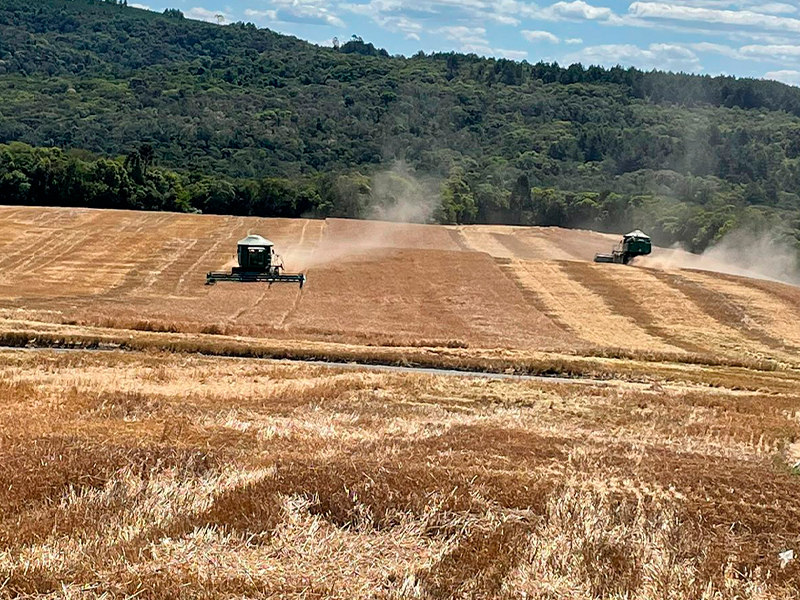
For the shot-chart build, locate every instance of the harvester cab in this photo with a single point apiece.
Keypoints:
(636, 243)
(257, 262)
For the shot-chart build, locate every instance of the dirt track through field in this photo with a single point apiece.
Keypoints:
(387, 283)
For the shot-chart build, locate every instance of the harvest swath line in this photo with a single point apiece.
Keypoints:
(621, 300)
(723, 310)
(766, 310)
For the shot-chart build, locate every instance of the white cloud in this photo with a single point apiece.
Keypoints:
(540, 36)
(785, 52)
(272, 15)
(769, 53)
(203, 14)
(432, 13)
(670, 57)
(470, 39)
(385, 14)
(720, 49)
(788, 77)
(777, 8)
(402, 24)
(511, 54)
(765, 30)
(473, 40)
(764, 38)
(578, 10)
(142, 6)
(463, 33)
(503, 19)
(738, 18)
(307, 10)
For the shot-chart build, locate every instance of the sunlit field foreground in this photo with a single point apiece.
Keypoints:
(177, 476)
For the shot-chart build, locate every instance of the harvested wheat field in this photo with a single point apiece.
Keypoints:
(482, 287)
(660, 465)
(174, 476)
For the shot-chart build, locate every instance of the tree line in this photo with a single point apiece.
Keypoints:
(56, 177)
(159, 112)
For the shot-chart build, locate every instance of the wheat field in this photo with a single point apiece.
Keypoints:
(175, 462)
(173, 476)
(389, 284)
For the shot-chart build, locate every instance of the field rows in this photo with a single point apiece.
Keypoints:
(476, 286)
(161, 473)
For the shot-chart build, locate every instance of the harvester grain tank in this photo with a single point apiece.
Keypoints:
(257, 263)
(636, 243)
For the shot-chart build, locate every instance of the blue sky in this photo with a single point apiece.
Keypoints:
(743, 38)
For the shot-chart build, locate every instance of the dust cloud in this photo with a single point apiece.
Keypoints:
(762, 255)
(402, 196)
(397, 195)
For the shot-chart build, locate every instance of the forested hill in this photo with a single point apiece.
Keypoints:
(243, 120)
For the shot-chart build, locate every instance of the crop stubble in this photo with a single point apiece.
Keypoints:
(181, 476)
(171, 475)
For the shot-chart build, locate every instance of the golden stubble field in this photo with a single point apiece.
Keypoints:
(185, 467)
(159, 475)
(387, 284)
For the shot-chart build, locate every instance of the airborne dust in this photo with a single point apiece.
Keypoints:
(400, 195)
(762, 255)
(397, 195)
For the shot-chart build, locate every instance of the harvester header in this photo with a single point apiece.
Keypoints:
(636, 243)
(257, 262)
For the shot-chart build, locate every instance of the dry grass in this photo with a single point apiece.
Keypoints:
(568, 302)
(178, 466)
(768, 308)
(179, 476)
(372, 282)
(612, 363)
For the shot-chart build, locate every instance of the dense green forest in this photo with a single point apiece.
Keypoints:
(108, 105)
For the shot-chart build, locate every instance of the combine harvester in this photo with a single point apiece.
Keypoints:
(257, 262)
(633, 244)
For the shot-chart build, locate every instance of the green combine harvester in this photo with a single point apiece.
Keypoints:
(633, 244)
(257, 263)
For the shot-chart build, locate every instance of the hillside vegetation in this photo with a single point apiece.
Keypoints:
(160, 112)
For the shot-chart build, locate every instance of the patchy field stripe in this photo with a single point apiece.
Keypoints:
(760, 308)
(659, 305)
(586, 313)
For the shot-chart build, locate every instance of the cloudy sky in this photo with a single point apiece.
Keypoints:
(743, 37)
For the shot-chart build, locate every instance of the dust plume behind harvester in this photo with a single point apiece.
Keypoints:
(257, 263)
(636, 243)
